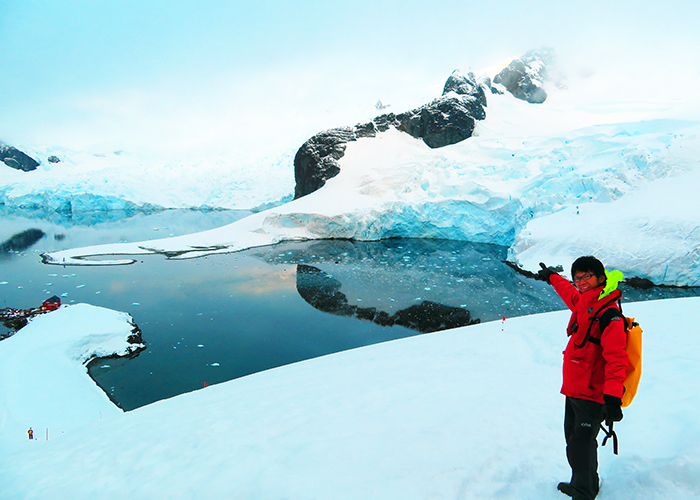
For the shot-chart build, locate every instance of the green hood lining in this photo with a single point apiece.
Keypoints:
(612, 279)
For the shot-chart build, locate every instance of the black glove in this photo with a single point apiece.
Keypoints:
(545, 273)
(613, 409)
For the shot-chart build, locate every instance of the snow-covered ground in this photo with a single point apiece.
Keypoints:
(470, 413)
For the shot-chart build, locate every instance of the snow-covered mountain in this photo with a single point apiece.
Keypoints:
(542, 178)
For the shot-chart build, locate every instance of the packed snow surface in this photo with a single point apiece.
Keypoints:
(469, 413)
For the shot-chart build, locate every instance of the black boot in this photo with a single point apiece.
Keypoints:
(566, 489)
(569, 490)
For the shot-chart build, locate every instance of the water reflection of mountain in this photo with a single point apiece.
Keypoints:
(400, 275)
(322, 291)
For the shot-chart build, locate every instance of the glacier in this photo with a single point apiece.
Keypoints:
(102, 182)
(530, 179)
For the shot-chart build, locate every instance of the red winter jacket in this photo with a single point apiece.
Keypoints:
(592, 370)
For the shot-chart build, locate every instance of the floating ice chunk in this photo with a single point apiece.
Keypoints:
(215, 364)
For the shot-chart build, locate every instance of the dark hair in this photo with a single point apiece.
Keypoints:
(588, 264)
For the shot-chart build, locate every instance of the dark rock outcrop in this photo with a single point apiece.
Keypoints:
(446, 120)
(317, 159)
(14, 158)
(53, 159)
(523, 77)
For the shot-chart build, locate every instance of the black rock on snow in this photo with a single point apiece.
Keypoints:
(447, 120)
(14, 158)
(523, 77)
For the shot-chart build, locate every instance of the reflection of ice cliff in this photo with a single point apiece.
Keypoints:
(383, 278)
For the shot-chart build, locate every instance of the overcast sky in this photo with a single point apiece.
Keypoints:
(185, 74)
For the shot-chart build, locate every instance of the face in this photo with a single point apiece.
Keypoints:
(587, 281)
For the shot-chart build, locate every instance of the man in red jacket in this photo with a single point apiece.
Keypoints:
(595, 364)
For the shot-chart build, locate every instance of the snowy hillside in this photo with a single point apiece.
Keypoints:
(471, 413)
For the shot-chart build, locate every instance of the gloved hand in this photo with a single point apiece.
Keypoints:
(545, 273)
(613, 409)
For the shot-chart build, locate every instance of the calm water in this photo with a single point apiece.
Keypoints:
(216, 318)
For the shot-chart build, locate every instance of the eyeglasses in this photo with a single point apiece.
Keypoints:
(583, 277)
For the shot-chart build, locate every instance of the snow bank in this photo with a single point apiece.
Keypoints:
(468, 413)
(43, 378)
(651, 233)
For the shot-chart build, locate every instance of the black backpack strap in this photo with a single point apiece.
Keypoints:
(604, 320)
(597, 317)
(607, 317)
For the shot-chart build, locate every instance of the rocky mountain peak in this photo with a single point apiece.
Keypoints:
(524, 76)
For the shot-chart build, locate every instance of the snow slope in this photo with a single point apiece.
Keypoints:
(469, 413)
(531, 178)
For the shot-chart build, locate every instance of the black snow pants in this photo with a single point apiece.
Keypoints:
(582, 420)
